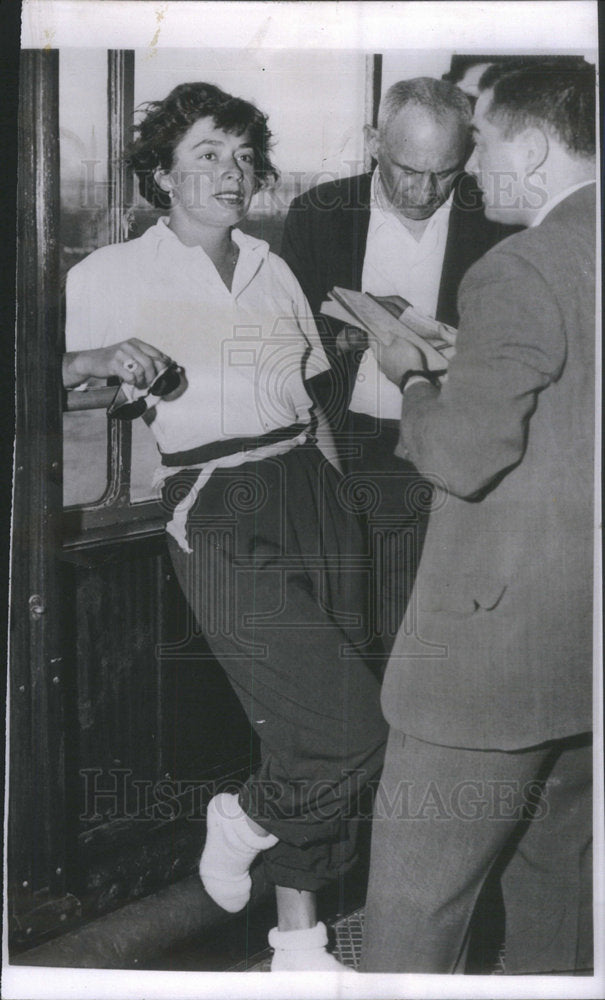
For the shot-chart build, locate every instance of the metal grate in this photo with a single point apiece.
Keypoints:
(349, 931)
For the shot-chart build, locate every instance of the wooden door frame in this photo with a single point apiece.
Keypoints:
(38, 666)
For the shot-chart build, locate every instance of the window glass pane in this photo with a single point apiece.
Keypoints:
(84, 456)
(83, 138)
(145, 460)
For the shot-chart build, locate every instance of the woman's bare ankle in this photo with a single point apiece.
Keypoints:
(296, 908)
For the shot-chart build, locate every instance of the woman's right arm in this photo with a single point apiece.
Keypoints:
(132, 361)
(93, 322)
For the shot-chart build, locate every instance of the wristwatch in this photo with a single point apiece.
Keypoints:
(429, 376)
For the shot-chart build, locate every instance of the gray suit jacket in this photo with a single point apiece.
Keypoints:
(496, 647)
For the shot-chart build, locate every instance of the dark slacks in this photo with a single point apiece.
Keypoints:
(393, 501)
(276, 581)
(443, 818)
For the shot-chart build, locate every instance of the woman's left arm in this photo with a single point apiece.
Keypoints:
(319, 380)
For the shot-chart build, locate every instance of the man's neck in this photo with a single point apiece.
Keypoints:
(415, 227)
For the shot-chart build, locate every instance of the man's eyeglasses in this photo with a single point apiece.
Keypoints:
(123, 408)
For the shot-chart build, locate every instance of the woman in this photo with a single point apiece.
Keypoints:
(256, 530)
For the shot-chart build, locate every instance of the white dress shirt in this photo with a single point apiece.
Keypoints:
(396, 263)
(244, 352)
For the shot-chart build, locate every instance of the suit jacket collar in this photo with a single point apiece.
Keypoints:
(359, 222)
(578, 200)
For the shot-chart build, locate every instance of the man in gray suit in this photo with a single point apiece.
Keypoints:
(488, 689)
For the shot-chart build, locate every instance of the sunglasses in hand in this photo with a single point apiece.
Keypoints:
(165, 382)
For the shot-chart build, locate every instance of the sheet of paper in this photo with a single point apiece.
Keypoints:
(374, 318)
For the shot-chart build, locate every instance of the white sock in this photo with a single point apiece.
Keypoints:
(304, 951)
(231, 847)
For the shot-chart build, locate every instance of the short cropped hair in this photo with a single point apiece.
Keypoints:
(166, 122)
(560, 99)
(440, 99)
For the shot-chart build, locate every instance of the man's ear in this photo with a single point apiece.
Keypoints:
(535, 148)
(372, 139)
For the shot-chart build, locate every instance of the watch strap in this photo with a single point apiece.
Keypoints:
(428, 376)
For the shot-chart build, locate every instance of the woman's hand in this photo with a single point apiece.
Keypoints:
(350, 338)
(132, 361)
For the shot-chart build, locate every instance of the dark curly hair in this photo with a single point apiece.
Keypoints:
(166, 122)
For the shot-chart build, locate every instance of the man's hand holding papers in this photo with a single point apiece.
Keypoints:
(401, 338)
